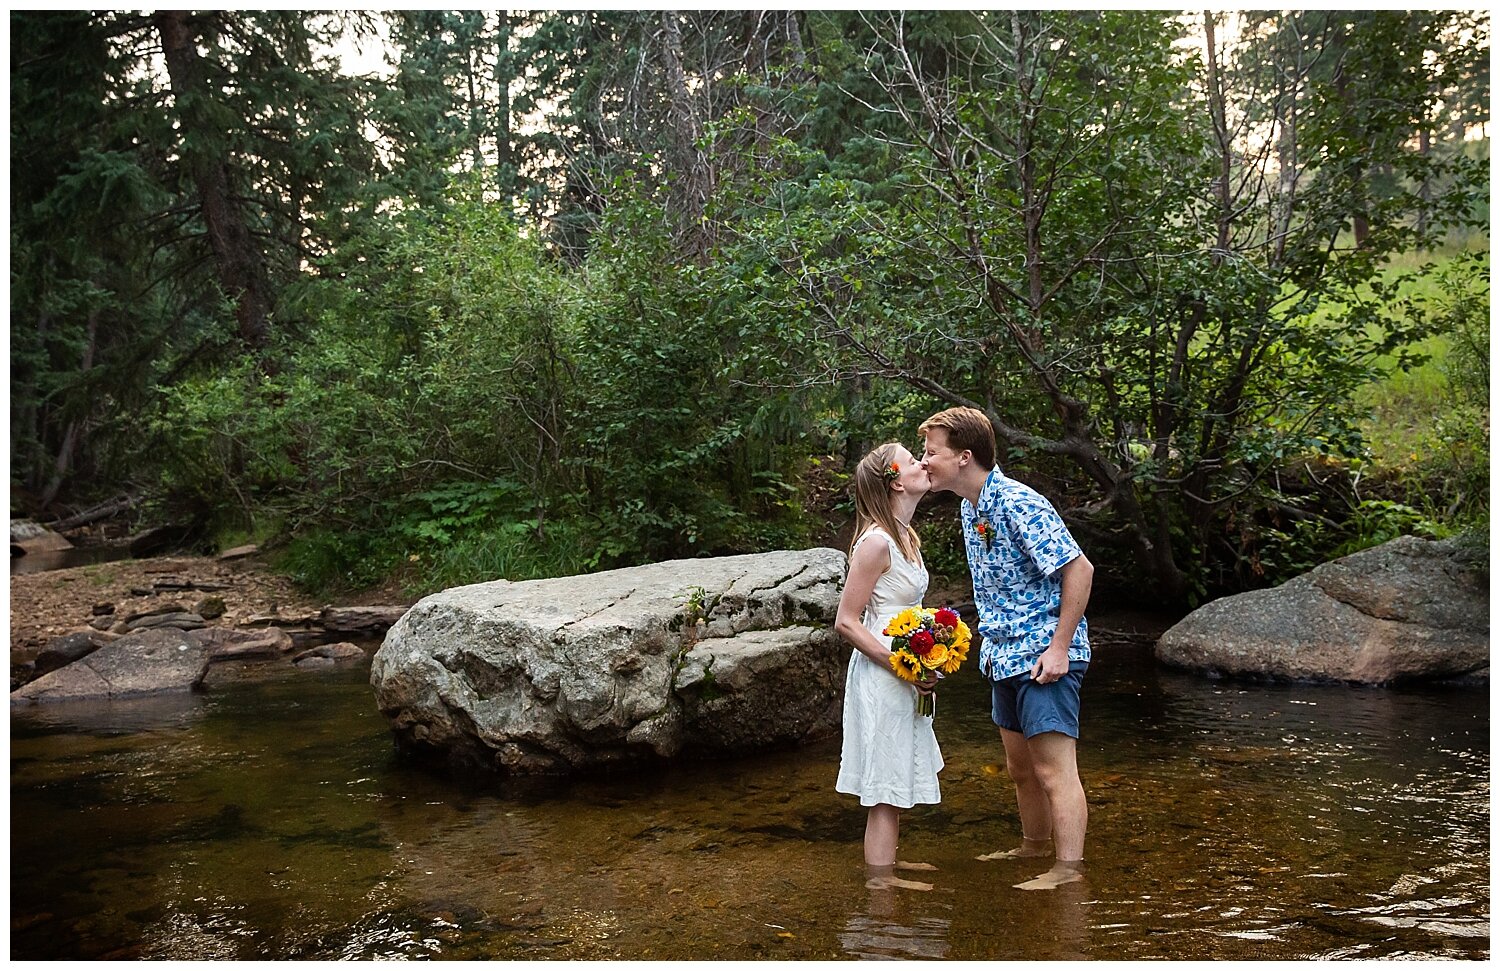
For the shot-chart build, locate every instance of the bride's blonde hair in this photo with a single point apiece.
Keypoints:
(872, 501)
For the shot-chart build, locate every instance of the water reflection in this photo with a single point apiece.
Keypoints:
(892, 926)
(272, 820)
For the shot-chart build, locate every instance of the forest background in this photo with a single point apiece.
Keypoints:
(556, 292)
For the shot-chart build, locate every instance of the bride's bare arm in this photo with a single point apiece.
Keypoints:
(869, 561)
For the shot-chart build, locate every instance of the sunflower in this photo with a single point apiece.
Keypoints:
(904, 623)
(907, 667)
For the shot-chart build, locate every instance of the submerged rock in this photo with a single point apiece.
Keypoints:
(329, 653)
(726, 655)
(1411, 609)
(146, 662)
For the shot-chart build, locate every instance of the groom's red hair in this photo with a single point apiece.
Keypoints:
(968, 429)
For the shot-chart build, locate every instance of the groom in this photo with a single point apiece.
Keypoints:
(1031, 584)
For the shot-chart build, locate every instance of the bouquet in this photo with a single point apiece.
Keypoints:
(925, 641)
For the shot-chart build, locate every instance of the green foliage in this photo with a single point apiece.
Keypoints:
(1462, 311)
(513, 550)
(439, 515)
(675, 457)
(611, 279)
(1286, 553)
(338, 560)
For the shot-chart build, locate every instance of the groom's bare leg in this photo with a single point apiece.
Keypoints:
(1029, 849)
(1031, 800)
(1061, 873)
(1054, 758)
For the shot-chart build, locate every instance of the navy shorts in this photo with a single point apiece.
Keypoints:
(1019, 704)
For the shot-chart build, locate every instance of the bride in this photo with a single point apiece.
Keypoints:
(890, 757)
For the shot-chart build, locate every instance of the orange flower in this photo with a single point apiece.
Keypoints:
(985, 531)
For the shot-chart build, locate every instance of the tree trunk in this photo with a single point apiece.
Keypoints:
(1360, 216)
(796, 52)
(241, 264)
(75, 427)
(1031, 204)
(688, 160)
(505, 150)
(1222, 184)
(1424, 145)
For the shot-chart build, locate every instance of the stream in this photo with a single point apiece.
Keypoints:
(272, 818)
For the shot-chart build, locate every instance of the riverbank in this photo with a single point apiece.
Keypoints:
(49, 604)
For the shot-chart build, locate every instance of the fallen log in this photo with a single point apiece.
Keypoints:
(95, 513)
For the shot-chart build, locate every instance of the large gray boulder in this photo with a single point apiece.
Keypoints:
(146, 662)
(1411, 609)
(688, 657)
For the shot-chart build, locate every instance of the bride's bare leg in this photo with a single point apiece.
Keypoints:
(881, 878)
(882, 829)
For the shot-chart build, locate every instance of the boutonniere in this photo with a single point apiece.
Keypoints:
(985, 531)
(892, 472)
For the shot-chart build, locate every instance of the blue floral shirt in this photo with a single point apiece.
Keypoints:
(1016, 588)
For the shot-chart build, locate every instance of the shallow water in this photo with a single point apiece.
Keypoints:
(1228, 821)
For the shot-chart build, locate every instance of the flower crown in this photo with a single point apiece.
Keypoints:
(891, 472)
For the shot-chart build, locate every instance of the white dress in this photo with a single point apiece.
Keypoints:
(890, 754)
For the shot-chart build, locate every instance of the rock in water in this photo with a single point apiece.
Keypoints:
(62, 651)
(368, 621)
(727, 655)
(238, 645)
(146, 662)
(1410, 609)
(332, 653)
(33, 538)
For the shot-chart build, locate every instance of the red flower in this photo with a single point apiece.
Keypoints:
(921, 642)
(944, 617)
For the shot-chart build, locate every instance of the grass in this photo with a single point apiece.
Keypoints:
(511, 551)
(1406, 406)
(102, 575)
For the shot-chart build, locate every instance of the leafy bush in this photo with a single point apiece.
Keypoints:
(1286, 553)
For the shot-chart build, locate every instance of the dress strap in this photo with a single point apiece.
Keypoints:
(872, 531)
